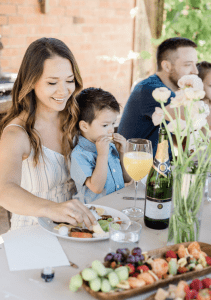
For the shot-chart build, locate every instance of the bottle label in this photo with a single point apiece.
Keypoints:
(157, 209)
(161, 161)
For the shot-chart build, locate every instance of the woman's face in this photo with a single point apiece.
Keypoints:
(56, 84)
(207, 85)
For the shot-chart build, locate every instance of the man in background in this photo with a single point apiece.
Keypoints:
(176, 57)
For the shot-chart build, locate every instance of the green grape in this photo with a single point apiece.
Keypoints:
(95, 284)
(99, 267)
(104, 225)
(76, 281)
(122, 273)
(72, 288)
(173, 266)
(89, 274)
(115, 226)
(108, 270)
(105, 286)
(113, 279)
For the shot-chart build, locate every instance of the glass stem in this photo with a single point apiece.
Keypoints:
(136, 188)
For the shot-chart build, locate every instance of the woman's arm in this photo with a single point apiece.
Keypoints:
(14, 146)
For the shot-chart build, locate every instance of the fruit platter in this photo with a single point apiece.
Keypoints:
(197, 289)
(127, 273)
(104, 215)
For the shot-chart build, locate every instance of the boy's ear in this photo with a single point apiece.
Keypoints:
(83, 126)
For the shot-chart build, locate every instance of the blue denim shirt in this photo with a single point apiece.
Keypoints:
(83, 162)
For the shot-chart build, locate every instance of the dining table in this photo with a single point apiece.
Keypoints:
(28, 284)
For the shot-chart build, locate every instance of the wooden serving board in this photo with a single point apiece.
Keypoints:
(157, 253)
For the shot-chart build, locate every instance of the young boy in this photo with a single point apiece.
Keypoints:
(97, 163)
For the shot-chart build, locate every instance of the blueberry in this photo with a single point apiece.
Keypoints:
(109, 256)
(136, 251)
(118, 257)
(130, 259)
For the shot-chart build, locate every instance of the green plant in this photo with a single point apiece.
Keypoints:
(190, 19)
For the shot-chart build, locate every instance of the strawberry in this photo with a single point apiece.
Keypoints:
(187, 289)
(182, 270)
(134, 274)
(208, 260)
(191, 294)
(144, 268)
(206, 283)
(131, 268)
(196, 284)
(171, 254)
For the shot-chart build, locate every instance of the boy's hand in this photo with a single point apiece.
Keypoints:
(102, 145)
(120, 142)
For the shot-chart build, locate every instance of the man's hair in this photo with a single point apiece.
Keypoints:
(170, 45)
(203, 67)
(93, 100)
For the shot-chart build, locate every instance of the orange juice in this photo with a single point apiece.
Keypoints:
(137, 164)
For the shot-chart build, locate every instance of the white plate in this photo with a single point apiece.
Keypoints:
(48, 224)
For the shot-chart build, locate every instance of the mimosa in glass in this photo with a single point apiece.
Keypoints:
(137, 161)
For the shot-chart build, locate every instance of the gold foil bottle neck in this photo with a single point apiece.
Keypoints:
(162, 154)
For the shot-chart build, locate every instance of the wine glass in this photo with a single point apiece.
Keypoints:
(137, 161)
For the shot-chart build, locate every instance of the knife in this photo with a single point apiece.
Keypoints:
(132, 198)
(73, 265)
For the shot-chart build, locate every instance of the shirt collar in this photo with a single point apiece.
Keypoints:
(86, 144)
(89, 146)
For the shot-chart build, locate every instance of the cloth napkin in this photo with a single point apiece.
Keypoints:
(33, 248)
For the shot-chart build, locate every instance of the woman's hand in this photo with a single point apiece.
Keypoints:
(72, 211)
(120, 142)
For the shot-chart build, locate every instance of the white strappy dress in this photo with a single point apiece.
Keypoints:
(50, 179)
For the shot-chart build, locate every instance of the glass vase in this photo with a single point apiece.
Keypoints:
(188, 199)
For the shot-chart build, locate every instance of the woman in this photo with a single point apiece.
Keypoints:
(37, 138)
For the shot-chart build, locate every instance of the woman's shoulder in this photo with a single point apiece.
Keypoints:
(15, 133)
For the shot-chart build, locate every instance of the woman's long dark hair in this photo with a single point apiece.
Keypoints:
(23, 95)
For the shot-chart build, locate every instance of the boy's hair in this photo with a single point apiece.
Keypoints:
(170, 45)
(203, 67)
(93, 100)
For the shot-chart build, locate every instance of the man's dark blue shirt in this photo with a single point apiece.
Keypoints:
(136, 121)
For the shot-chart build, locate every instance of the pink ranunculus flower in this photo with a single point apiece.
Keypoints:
(173, 124)
(191, 81)
(157, 116)
(179, 100)
(161, 94)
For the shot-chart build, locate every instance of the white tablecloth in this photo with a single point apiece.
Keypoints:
(28, 285)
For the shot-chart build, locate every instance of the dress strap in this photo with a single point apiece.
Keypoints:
(17, 126)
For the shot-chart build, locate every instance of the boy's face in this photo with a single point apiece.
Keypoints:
(102, 125)
(207, 85)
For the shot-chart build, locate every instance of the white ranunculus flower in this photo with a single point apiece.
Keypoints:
(179, 100)
(200, 107)
(173, 124)
(191, 81)
(157, 116)
(161, 94)
(194, 94)
(199, 121)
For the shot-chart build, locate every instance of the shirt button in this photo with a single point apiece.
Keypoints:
(114, 170)
(117, 186)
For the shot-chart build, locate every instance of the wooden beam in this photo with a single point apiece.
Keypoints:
(154, 10)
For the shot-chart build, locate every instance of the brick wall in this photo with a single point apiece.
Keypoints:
(91, 28)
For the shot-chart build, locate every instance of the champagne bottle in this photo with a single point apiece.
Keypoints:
(159, 187)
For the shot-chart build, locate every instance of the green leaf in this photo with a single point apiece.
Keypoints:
(145, 54)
